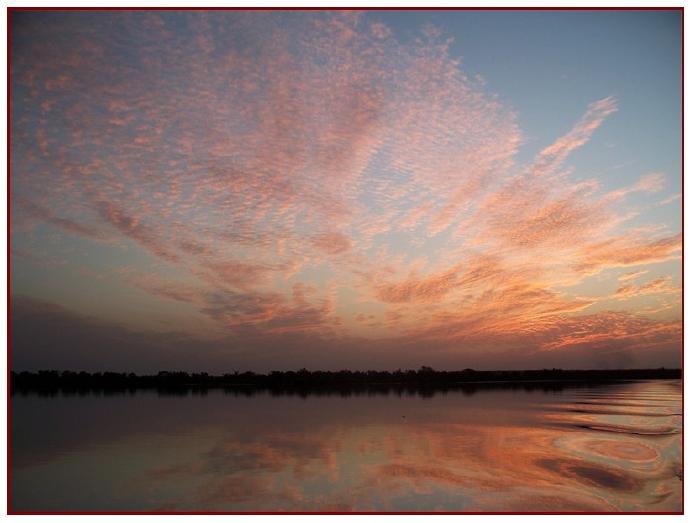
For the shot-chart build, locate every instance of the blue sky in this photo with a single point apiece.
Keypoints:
(549, 65)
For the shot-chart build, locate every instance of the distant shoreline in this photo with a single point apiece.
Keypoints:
(304, 380)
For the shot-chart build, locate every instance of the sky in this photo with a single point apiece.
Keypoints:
(220, 191)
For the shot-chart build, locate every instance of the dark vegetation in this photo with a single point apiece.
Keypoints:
(425, 381)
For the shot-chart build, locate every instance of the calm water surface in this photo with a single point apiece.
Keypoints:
(600, 448)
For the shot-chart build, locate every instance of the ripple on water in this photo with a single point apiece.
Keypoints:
(636, 430)
(622, 452)
(607, 411)
(621, 443)
(626, 450)
(592, 473)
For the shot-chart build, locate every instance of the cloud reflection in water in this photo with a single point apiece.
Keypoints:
(496, 450)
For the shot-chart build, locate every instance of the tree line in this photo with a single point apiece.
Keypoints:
(303, 378)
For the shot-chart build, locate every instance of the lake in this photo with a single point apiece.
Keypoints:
(596, 448)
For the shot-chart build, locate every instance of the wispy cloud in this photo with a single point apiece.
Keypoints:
(553, 156)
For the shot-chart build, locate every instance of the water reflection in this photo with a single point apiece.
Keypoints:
(343, 390)
(597, 448)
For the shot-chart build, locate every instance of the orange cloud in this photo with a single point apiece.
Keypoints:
(626, 252)
(418, 290)
(657, 286)
(631, 275)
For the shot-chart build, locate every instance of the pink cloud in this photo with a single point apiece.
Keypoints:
(238, 274)
(332, 243)
(132, 227)
(553, 156)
